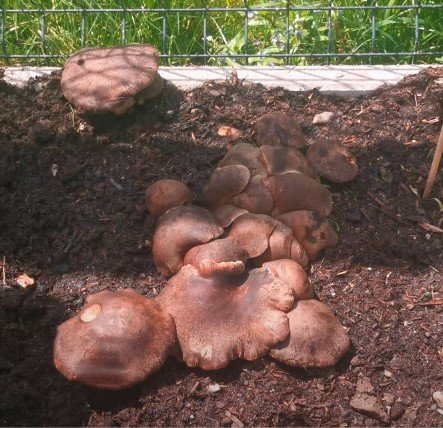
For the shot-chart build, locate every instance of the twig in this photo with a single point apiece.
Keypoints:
(385, 210)
(433, 302)
(115, 184)
(70, 242)
(4, 270)
(434, 166)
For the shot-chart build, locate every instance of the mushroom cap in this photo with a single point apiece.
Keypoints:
(313, 232)
(281, 160)
(317, 338)
(279, 129)
(252, 232)
(294, 275)
(224, 183)
(165, 194)
(223, 317)
(247, 155)
(226, 214)
(116, 340)
(255, 198)
(280, 242)
(177, 231)
(220, 250)
(332, 161)
(298, 254)
(295, 191)
(103, 80)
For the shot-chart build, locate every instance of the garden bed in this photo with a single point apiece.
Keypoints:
(72, 216)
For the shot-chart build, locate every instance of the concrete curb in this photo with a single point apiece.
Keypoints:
(334, 79)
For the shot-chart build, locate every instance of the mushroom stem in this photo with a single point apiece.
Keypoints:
(434, 167)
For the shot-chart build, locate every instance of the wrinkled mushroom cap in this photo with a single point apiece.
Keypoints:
(294, 191)
(165, 194)
(223, 317)
(294, 275)
(313, 232)
(177, 231)
(116, 340)
(247, 155)
(224, 183)
(220, 250)
(112, 79)
(279, 129)
(332, 161)
(281, 160)
(317, 339)
(280, 242)
(226, 214)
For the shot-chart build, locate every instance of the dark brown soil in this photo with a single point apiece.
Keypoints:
(72, 216)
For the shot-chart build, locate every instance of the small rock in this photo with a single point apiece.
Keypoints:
(214, 93)
(364, 385)
(213, 387)
(438, 398)
(388, 398)
(397, 410)
(322, 118)
(370, 406)
(25, 282)
(195, 111)
(387, 373)
(396, 362)
(355, 361)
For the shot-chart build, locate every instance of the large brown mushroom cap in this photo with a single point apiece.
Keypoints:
(247, 155)
(298, 254)
(117, 340)
(112, 79)
(165, 194)
(279, 129)
(226, 214)
(313, 232)
(294, 275)
(295, 191)
(317, 339)
(281, 160)
(223, 317)
(332, 161)
(280, 243)
(177, 231)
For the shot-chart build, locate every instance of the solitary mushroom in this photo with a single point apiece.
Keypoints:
(332, 161)
(222, 316)
(313, 232)
(117, 340)
(279, 129)
(165, 194)
(102, 80)
(177, 231)
(317, 339)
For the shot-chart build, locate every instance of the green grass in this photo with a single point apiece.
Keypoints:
(351, 30)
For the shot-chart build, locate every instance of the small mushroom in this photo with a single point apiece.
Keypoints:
(281, 160)
(224, 183)
(313, 232)
(294, 275)
(279, 129)
(332, 161)
(247, 155)
(221, 315)
(116, 340)
(295, 191)
(165, 194)
(226, 214)
(102, 80)
(252, 231)
(317, 339)
(177, 231)
(220, 250)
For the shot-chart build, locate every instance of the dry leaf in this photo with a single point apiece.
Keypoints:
(229, 131)
(25, 281)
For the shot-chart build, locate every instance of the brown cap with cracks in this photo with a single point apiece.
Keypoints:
(226, 214)
(313, 232)
(224, 183)
(223, 317)
(281, 160)
(247, 155)
(101, 80)
(177, 231)
(294, 275)
(252, 232)
(165, 194)
(332, 161)
(116, 340)
(317, 338)
(220, 250)
(279, 129)
(255, 197)
(294, 191)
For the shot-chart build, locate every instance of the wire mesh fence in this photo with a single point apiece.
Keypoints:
(228, 32)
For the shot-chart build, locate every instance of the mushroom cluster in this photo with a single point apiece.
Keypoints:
(238, 286)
